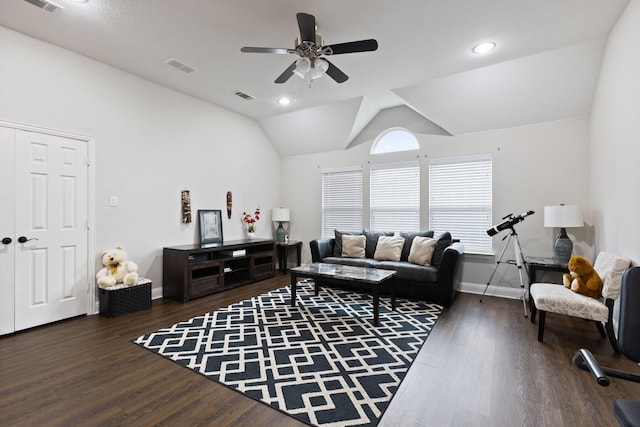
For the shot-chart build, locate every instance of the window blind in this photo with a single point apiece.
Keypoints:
(460, 199)
(395, 197)
(342, 200)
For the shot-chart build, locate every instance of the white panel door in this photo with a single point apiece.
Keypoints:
(7, 229)
(51, 215)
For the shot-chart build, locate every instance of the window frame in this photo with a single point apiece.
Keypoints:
(377, 143)
(345, 197)
(469, 217)
(396, 212)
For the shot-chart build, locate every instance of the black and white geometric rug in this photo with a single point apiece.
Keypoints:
(322, 362)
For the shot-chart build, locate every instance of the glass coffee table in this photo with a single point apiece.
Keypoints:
(371, 280)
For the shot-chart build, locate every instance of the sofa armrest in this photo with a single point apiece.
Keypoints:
(321, 248)
(450, 273)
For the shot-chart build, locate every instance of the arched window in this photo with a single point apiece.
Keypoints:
(393, 140)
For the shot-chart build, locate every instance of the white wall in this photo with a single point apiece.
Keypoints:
(615, 141)
(533, 166)
(151, 143)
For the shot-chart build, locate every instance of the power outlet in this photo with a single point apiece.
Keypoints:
(113, 201)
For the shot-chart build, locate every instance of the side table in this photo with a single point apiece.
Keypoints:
(544, 264)
(283, 253)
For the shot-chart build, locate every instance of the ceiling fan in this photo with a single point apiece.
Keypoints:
(309, 47)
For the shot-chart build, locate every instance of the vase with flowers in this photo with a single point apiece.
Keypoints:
(251, 220)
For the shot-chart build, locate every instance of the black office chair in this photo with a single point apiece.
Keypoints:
(627, 330)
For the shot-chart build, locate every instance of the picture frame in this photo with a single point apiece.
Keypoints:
(210, 225)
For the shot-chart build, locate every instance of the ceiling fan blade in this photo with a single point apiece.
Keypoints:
(286, 74)
(335, 73)
(307, 25)
(368, 45)
(267, 50)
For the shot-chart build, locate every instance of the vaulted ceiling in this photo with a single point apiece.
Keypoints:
(423, 75)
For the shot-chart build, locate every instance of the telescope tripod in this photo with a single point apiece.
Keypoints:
(519, 262)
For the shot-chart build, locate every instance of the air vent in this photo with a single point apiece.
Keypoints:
(180, 65)
(244, 95)
(49, 6)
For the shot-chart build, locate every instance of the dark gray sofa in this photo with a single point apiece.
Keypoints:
(437, 283)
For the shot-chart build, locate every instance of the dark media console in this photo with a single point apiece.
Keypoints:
(192, 271)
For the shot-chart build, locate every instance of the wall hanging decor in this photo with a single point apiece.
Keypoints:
(210, 223)
(186, 207)
(229, 203)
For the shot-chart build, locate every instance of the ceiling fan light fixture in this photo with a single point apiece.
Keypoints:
(308, 69)
(303, 65)
(320, 67)
(484, 47)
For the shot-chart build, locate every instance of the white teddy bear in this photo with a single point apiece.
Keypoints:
(116, 269)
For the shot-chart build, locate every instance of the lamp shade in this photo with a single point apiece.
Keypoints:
(280, 215)
(563, 216)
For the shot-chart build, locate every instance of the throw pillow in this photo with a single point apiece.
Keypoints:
(408, 240)
(372, 241)
(389, 248)
(337, 245)
(353, 246)
(422, 250)
(444, 240)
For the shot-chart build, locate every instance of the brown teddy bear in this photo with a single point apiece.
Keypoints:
(583, 278)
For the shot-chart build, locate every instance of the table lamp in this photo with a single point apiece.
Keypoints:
(563, 216)
(280, 215)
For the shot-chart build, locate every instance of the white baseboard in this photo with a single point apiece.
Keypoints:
(493, 291)
(466, 287)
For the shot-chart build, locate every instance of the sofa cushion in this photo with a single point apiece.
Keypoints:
(372, 241)
(444, 240)
(422, 250)
(408, 271)
(337, 246)
(389, 248)
(355, 262)
(353, 246)
(408, 240)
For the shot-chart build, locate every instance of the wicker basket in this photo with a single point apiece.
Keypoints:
(116, 302)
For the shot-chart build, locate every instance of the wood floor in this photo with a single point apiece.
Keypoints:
(481, 366)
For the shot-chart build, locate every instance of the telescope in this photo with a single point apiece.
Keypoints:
(509, 222)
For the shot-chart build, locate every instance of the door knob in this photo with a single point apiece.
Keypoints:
(23, 239)
(7, 241)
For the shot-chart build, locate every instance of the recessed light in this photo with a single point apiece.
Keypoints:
(284, 101)
(484, 47)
